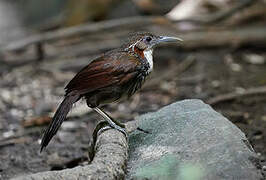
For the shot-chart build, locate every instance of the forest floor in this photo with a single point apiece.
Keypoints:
(29, 94)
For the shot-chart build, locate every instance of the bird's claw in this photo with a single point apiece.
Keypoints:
(114, 126)
(123, 130)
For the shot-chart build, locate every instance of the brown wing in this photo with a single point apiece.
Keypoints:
(104, 71)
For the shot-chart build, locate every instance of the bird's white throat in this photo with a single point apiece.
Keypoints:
(148, 56)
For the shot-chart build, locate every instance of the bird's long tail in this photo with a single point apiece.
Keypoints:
(58, 118)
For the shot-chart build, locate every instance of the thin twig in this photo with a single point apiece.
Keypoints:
(235, 95)
(15, 141)
(230, 37)
(127, 22)
(21, 134)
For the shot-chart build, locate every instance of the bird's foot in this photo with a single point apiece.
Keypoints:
(119, 128)
(104, 125)
(110, 126)
(104, 129)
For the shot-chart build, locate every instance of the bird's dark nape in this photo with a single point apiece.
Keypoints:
(58, 118)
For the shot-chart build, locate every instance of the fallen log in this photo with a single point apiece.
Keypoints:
(110, 153)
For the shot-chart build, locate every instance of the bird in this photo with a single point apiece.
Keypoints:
(113, 76)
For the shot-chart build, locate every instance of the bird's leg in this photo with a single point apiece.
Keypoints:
(111, 121)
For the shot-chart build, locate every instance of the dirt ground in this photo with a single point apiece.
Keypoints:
(30, 93)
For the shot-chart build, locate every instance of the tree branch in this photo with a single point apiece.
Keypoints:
(234, 95)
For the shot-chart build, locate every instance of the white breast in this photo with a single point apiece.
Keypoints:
(148, 56)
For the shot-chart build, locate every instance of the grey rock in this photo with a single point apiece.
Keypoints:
(190, 140)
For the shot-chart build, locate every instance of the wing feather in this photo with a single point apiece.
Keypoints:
(102, 72)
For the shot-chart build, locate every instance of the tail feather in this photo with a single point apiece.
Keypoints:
(58, 119)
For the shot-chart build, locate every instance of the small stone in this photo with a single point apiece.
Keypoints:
(8, 134)
(254, 59)
(198, 89)
(236, 67)
(39, 141)
(257, 137)
(70, 125)
(264, 168)
(6, 95)
(216, 83)
(262, 158)
(66, 137)
(263, 118)
(55, 160)
(246, 115)
(240, 90)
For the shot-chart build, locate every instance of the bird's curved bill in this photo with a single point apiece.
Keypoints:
(168, 39)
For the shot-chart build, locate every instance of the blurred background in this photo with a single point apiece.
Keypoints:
(44, 43)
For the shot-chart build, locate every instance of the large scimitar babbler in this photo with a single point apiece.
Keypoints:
(115, 75)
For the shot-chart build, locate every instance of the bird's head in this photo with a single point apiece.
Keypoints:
(147, 41)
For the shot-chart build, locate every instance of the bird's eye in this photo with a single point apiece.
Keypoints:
(148, 39)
